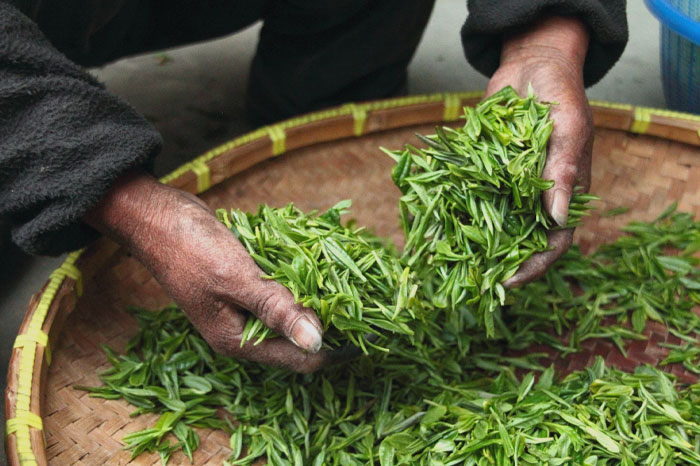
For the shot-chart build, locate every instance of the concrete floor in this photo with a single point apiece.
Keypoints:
(194, 95)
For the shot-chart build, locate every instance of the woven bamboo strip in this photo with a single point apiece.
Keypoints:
(675, 176)
(356, 119)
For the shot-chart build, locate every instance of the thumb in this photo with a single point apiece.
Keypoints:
(568, 165)
(556, 202)
(274, 305)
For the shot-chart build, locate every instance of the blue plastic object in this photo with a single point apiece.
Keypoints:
(680, 51)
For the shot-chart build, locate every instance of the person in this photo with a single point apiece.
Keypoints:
(74, 159)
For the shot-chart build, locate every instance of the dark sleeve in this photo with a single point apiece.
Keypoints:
(63, 140)
(489, 20)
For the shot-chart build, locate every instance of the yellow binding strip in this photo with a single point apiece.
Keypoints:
(452, 107)
(70, 270)
(201, 169)
(673, 114)
(212, 154)
(39, 338)
(612, 105)
(642, 117)
(278, 138)
(20, 424)
(264, 132)
(359, 117)
(25, 418)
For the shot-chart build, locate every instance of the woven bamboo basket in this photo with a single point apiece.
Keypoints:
(643, 159)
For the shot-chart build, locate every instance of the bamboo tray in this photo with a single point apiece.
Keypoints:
(643, 159)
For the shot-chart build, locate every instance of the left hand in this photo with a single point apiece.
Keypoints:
(209, 273)
(550, 56)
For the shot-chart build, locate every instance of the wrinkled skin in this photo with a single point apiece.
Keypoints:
(208, 272)
(550, 56)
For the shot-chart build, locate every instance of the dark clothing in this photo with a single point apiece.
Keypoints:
(64, 139)
(312, 56)
(488, 20)
(297, 66)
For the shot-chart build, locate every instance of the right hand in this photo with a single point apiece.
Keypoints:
(208, 272)
(550, 55)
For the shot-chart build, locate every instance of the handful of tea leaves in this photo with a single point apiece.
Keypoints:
(471, 207)
(356, 285)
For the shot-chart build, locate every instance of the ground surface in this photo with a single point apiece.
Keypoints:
(194, 95)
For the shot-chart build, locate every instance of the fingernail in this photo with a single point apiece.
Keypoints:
(318, 326)
(306, 336)
(560, 207)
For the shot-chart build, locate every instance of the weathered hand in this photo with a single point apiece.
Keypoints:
(550, 56)
(208, 272)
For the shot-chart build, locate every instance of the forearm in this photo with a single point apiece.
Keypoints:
(129, 208)
(553, 36)
(490, 22)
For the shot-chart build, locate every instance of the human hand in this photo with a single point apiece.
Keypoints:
(208, 272)
(550, 56)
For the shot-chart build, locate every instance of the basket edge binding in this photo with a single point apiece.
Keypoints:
(25, 442)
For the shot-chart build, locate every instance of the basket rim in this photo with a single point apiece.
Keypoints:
(31, 355)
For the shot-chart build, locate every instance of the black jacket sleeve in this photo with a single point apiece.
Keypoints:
(489, 20)
(63, 140)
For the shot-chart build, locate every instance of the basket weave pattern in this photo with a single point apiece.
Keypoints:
(640, 172)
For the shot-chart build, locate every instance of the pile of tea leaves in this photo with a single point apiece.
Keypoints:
(442, 389)
(450, 397)
(352, 279)
(472, 208)
(426, 406)
(649, 273)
